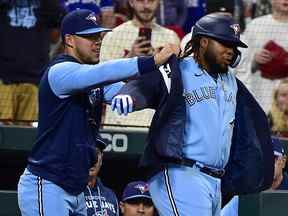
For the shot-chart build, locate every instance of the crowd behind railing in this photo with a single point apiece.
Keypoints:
(30, 36)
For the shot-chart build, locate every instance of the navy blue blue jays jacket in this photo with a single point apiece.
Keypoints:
(101, 200)
(250, 167)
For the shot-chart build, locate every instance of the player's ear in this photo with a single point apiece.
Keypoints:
(69, 41)
(204, 42)
(121, 205)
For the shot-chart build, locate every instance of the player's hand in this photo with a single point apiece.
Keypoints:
(123, 104)
(263, 56)
(141, 47)
(168, 50)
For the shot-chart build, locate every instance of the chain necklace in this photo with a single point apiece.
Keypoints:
(99, 197)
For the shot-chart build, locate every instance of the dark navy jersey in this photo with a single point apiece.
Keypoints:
(70, 103)
(101, 201)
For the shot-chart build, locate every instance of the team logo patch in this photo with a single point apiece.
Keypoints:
(92, 17)
(142, 188)
(236, 28)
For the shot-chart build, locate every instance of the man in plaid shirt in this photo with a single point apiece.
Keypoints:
(124, 40)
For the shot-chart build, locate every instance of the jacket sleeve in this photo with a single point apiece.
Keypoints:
(250, 168)
(146, 91)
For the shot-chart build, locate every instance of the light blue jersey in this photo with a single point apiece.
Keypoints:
(210, 113)
(210, 110)
(66, 78)
(231, 208)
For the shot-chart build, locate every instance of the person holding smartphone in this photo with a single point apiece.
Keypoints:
(139, 36)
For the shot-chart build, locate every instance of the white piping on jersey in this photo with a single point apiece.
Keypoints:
(169, 190)
(40, 196)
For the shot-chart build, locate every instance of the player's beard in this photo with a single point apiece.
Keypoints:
(87, 58)
(211, 59)
(144, 18)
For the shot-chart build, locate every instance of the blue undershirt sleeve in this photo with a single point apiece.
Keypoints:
(67, 78)
(111, 90)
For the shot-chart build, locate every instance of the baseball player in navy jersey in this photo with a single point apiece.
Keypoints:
(190, 137)
(71, 93)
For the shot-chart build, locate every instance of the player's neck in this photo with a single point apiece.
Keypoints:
(92, 182)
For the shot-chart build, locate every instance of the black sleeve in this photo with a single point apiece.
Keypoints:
(147, 90)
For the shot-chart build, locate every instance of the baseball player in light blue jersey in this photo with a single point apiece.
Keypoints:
(71, 93)
(190, 136)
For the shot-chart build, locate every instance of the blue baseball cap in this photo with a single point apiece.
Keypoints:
(278, 148)
(81, 22)
(134, 190)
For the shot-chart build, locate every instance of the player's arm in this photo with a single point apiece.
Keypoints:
(145, 92)
(111, 90)
(69, 77)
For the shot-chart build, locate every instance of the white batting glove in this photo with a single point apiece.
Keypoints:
(123, 104)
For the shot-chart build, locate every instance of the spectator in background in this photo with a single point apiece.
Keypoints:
(266, 36)
(105, 8)
(24, 40)
(136, 200)
(195, 10)
(100, 200)
(280, 180)
(172, 14)
(278, 114)
(124, 40)
(121, 12)
(234, 7)
(263, 7)
(280, 177)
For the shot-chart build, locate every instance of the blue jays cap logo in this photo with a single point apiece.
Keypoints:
(142, 188)
(92, 17)
(236, 28)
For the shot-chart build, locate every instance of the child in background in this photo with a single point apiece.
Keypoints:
(278, 114)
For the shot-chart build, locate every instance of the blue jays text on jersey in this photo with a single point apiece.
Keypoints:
(101, 201)
(197, 95)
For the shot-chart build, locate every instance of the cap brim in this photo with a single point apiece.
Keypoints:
(93, 31)
(137, 196)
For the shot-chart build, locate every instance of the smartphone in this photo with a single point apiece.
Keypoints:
(145, 32)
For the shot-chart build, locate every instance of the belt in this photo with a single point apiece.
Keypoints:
(217, 173)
